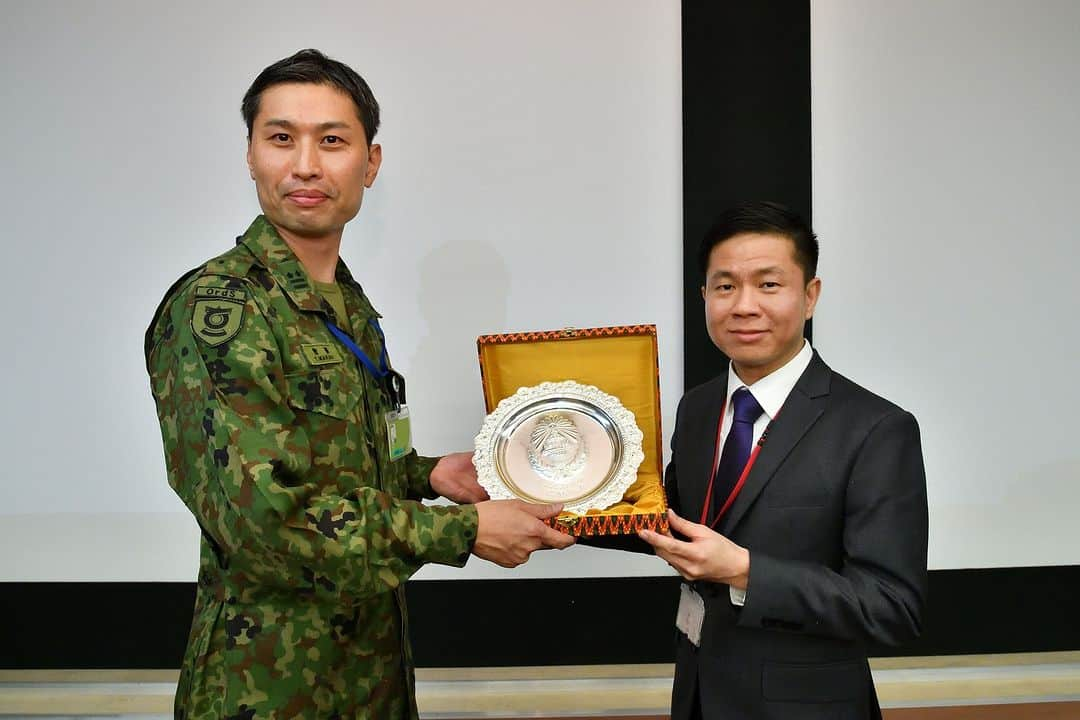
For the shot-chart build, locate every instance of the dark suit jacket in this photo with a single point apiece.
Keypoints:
(834, 515)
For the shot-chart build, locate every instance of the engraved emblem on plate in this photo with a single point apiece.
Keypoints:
(557, 452)
(559, 442)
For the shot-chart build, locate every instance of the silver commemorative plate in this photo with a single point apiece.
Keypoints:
(559, 442)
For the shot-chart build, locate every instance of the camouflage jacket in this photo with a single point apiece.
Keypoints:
(275, 440)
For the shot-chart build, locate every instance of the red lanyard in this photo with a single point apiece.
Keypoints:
(742, 476)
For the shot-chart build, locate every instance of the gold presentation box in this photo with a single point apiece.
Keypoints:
(620, 361)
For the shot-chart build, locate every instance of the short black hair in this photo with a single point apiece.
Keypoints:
(311, 66)
(762, 216)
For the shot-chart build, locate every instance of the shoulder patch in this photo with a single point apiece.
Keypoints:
(217, 314)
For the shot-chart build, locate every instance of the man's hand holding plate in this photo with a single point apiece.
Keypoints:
(704, 555)
(510, 530)
(454, 478)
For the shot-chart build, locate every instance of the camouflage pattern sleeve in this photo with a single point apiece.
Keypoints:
(277, 464)
(418, 475)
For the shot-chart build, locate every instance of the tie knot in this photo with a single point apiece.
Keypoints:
(746, 406)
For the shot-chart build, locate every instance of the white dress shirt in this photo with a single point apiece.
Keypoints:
(770, 392)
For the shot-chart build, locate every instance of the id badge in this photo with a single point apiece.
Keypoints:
(398, 433)
(691, 614)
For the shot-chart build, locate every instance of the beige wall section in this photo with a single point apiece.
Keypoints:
(556, 691)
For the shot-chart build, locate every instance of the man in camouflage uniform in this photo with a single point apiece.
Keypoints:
(276, 437)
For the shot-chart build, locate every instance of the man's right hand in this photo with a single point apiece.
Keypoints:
(510, 530)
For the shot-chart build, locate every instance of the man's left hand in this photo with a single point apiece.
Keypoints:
(454, 477)
(705, 555)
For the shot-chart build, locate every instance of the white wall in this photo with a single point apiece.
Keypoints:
(532, 180)
(946, 190)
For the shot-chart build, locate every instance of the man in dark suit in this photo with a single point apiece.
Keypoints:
(798, 499)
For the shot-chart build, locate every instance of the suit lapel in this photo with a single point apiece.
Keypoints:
(804, 405)
(701, 435)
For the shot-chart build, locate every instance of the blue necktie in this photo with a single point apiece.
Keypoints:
(737, 447)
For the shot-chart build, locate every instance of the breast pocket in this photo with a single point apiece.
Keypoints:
(329, 408)
(326, 410)
(325, 392)
(805, 487)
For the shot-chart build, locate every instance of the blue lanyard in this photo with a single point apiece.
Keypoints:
(377, 372)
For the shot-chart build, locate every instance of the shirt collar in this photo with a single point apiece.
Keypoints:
(344, 277)
(772, 390)
(273, 253)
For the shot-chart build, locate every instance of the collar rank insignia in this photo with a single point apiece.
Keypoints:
(218, 314)
(296, 281)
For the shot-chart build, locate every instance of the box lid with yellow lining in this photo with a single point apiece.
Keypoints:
(621, 361)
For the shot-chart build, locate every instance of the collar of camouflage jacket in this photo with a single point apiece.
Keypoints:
(273, 253)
